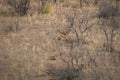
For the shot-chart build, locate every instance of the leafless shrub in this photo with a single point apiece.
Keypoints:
(87, 2)
(107, 21)
(109, 27)
(12, 26)
(109, 11)
(64, 73)
(77, 58)
(20, 6)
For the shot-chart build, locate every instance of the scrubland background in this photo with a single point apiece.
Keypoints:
(59, 40)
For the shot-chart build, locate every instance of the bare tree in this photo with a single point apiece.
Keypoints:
(108, 22)
(77, 58)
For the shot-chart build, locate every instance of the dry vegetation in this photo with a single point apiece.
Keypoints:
(59, 39)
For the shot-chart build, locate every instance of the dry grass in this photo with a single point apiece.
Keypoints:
(28, 43)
